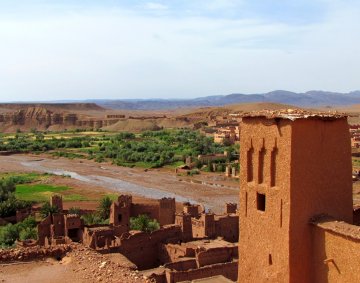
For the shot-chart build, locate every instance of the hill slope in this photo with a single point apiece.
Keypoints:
(308, 99)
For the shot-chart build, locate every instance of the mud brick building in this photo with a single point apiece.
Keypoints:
(296, 209)
(60, 228)
(122, 209)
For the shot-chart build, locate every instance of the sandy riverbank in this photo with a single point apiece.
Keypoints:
(211, 189)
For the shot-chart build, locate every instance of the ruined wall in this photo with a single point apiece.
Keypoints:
(73, 226)
(98, 238)
(204, 227)
(215, 255)
(56, 200)
(336, 257)
(142, 248)
(182, 265)
(34, 253)
(227, 226)
(167, 211)
(120, 211)
(184, 221)
(58, 225)
(151, 210)
(230, 208)
(44, 230)
(228, 270)
(192, 209)
(172, 252)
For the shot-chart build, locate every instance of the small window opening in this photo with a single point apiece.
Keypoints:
(274, 157)
(261, 166)
(119, 217)
(270, 259)
(250, 173)
(261, 200)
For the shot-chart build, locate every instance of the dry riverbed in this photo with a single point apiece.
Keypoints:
(211, 189)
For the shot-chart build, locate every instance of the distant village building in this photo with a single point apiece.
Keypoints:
(227, 135)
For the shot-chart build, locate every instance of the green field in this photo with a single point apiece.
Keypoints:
(42, 192)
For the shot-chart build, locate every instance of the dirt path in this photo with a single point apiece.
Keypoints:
(212, 190)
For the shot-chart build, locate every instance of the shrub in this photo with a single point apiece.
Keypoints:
(23, 230)
(94, 218)
(193, 172)
(74, 210)
(7, 188)
(28, 233)
(144, 223)
(104, 207)
(11, 205)
(48, 209)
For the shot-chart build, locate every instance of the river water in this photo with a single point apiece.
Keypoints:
(115, 184)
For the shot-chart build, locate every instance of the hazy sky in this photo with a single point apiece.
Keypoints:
(72, 49)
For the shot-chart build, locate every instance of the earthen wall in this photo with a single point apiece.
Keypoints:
(320, 183)
(182, 265)
(265, 158)
(227, 227)
(151, 210)
(336, 257)
(167, 211)
(228, 270)
(142, 248)
(215, 255)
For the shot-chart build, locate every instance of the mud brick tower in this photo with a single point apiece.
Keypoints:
(56, 200)
(294, 165)
(167, 211)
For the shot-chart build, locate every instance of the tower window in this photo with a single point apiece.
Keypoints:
(273, 172)
(260, 201)
(250, 173)
(261, 166)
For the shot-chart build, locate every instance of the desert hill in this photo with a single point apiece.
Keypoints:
(58, 117)
(55, 107)
(189, 117)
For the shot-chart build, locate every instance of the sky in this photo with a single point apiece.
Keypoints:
(109, 49)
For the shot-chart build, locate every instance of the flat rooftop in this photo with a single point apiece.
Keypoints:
(214, 279)
(329, 223)
(294, 114)
(209, 244)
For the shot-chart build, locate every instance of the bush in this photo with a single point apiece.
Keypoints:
(7, 188)
(11, 205)
(23, 230)
(104, 207)
(74, 210)
(28, 233)
(48, 209)
(144, 223)
(193, 172)
(94, 218)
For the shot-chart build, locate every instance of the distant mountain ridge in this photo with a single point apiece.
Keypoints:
(308, 99)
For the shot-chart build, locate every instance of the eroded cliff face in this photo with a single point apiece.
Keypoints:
(41, 118)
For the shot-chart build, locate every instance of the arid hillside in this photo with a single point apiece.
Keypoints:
(58, 117)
